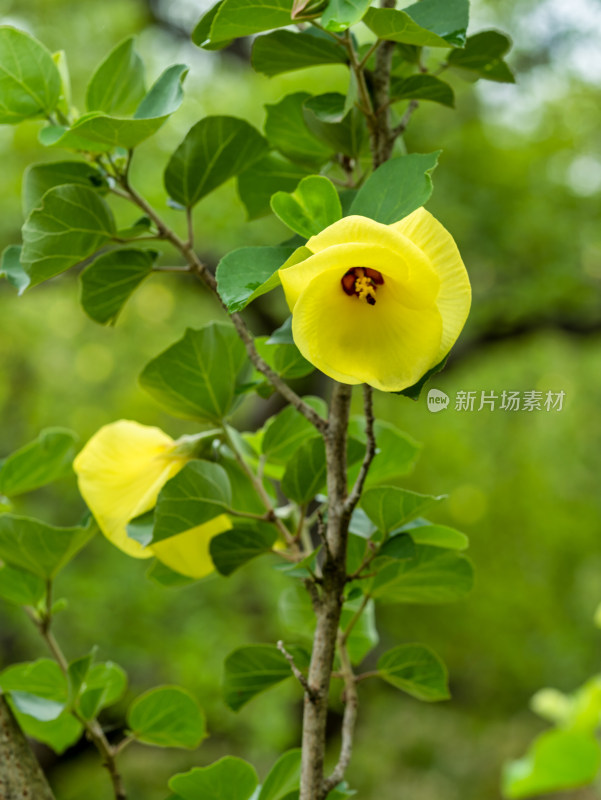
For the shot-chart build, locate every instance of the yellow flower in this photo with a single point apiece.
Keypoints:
(120, 472)
(378, 304)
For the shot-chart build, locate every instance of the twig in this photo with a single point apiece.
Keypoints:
(369, 54)
(344, 635)
(400, 129)
(370, 448)
(351, 701)
(296, 671)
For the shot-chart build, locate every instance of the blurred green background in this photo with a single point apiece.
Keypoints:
(518, 185)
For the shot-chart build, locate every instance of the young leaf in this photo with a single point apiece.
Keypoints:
(283, 777)
(242, 274)
(39, 178)
(40, 462)
(108, 283)
(198, 493)
(59, 734)
(558, 760)
(105, 684)
(30, 83)
(483, 56)
(117, 85)
(417, 670)
(236, 18)
(229, 778)
(76, 674)
(310, 208)
(71, 223)
(197, 377)
(201, 35)
(253, 669)
(423, 87)
(39, 548)
(98, 133)
(37, 688)
(396, 188)
(285, 51)
(432, 576)
(232, 549)
(390, 508)
(214, 150)
(330, 120)
(271, 174)
(286, 130)
(341, 14)
(167, 717)
(285, 359)
(20, 587)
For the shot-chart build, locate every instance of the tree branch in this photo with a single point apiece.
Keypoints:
(21, 777)
(295, 670)
(351, 701)
(370, 448)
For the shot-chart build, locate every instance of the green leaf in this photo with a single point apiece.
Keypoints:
(167, 578)
(438, 536)
(253, 669)
(198, 376)
(287, 430)
(557, 760)
(236, 18)
(417, 670)
(39, 178)
(229, 778)
(243, 274)
(339, 127)
(38, 688)
(30, 83)
(232, 549)
(271, 174)
(285, 359)
(305, 474)
(285, 51)
(483, 55)
(396, 452)
(65, 98)
(341, 14)
(397, 26)
(71, 223)
(105, 684)
(59, 733)
(167, 717)
(446, 18)
(46, 459)
(198, 493)
(287, 132)
(76, 674)
(310, 208)
(213, 151)
(108, 283)
(390, 508)
(201, 35)
(98, 133)
(117, 85)
(283, 777)
(432, 576)
(21, 587)
(12, 269)
(423, 87)
(396, 188)
(39, 548)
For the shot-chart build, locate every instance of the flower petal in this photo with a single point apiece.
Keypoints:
(188, 553)
(388, 345)
(455, 294)
(409, 268)
(121, 471)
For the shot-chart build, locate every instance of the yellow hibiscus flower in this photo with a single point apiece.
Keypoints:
(120, 473)
(378, 304)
